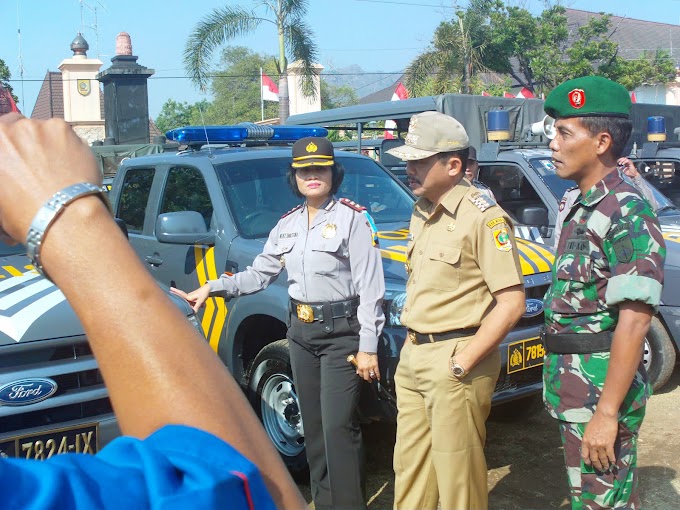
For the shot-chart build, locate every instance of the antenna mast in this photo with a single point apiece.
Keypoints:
(21, 57)
(94, 26)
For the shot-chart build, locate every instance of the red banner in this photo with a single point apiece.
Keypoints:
(7, 103)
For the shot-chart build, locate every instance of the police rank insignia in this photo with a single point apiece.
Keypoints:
(329, 230)
(502, 239)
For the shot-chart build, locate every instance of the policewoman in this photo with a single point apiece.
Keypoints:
(336, 287)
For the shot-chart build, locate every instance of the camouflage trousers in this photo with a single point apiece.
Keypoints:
(617, 487)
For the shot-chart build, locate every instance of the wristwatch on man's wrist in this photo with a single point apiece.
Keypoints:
(46, 215)
(457, 370)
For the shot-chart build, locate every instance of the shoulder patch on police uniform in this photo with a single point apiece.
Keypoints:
(291, 211)
(371, 225)
(352, 205)
(495, 221)
(502, 239)
(481, 201)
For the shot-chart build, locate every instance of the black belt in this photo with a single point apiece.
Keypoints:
(426, 338)
(577, 343)
(310, 312)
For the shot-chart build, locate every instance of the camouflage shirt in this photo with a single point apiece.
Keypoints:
(611, 250)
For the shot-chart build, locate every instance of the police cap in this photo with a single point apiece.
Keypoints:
(312, 151)
(589, 96)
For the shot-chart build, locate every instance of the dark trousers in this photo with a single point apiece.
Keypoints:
(328, 391)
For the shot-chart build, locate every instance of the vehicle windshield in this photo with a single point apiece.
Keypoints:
(258, 193)
(546, 170)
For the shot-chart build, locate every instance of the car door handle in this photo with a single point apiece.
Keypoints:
(154, 261)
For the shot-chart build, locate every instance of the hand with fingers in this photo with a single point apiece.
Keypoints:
(628, 167)
(367, 366)
(597, 447)
(195, 298)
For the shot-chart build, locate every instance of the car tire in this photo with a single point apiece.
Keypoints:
(517, 410)
(658, 355)
(273, 396)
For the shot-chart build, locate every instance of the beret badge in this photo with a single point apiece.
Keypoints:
(577, 98)
(311, 147)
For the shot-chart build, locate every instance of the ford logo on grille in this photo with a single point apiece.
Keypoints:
(534, 308)
(26, 391)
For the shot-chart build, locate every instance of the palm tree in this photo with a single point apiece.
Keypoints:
(224, 24)
(457, 53)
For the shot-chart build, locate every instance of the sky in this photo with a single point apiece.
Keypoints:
(378, 35)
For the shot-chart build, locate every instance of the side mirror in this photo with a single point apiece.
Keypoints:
(183, 227)
(532, 215)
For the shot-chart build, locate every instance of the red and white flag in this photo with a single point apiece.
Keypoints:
(270, 92)
(525, 93)
(7, 104)
(507, 94)
(633, 99)
(485, 93)
(399, 93)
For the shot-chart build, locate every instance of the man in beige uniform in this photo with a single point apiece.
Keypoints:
(464, 294)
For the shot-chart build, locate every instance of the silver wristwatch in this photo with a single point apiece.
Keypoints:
(49, 212)
(457, 370)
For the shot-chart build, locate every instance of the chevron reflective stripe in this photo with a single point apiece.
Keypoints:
(215, 313)
(30, 309)
(529, 233)
(534, 258)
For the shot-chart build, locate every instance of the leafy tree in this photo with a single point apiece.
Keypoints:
(295, 39)
(336, 96)
(461, 50)
(174, 114)
(5, 76)
(236, 88)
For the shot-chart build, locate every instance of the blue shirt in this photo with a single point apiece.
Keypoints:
(177, 467)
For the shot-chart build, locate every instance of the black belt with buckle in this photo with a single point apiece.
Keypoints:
(310, 312)
(425, 338)
(578, 343)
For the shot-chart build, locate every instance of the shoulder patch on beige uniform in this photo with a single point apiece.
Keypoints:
(495, 221)
(481, 201)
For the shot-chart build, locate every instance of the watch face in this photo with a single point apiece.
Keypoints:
(458, 370)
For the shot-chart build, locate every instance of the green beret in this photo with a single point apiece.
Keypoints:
(589, 96)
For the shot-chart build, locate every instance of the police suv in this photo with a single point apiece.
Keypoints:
(208, 210)
(52, 396)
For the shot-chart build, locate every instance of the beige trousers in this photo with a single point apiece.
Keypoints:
(439, 452)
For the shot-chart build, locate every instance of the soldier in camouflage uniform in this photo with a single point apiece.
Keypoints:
(606, 285)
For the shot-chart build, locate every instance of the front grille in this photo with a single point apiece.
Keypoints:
(519, 379)
(536, 292)
(69, 362)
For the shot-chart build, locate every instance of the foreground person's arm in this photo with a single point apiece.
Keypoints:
(157, 368)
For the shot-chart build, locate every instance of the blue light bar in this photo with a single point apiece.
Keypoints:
(242, 133)
(656, 129)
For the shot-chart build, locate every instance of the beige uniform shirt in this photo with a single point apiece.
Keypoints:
(460, 253)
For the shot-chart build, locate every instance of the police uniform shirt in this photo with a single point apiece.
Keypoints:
(333, 260)
(175, 468)
(458, 256)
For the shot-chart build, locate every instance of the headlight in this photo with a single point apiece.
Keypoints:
(394, 309)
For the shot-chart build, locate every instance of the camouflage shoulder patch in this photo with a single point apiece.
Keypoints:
(292, 211)
(496, 221)
(352, 205)
(481, 201)
(622, 243)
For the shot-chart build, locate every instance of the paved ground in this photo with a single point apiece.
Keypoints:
(526, 466)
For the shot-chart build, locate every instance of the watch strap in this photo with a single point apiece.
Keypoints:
(49, 212)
